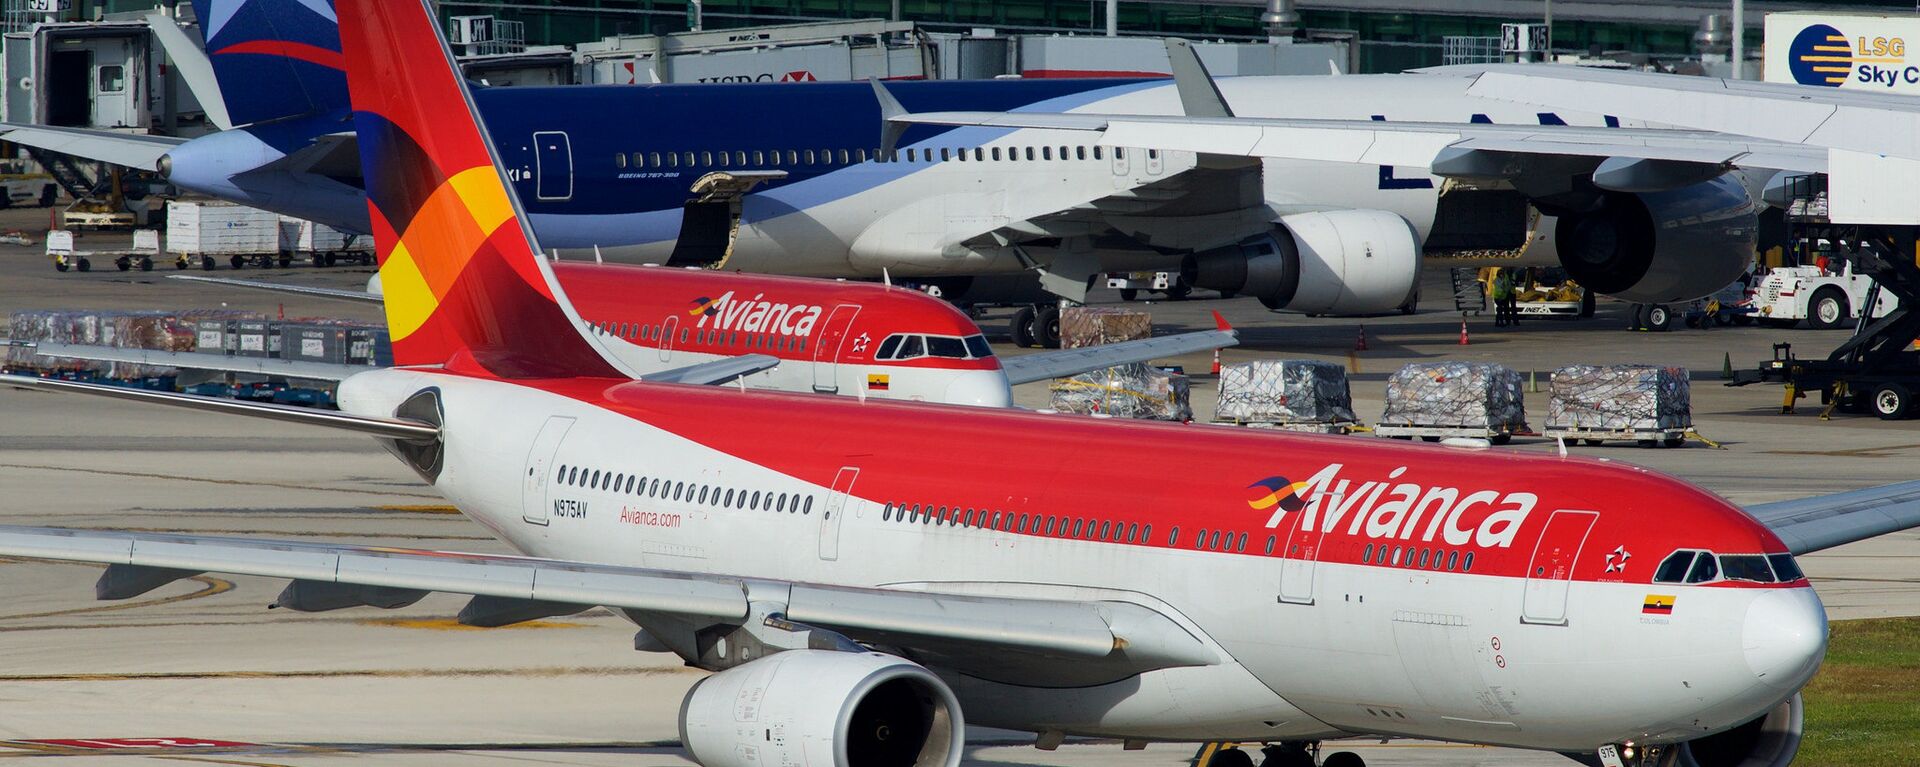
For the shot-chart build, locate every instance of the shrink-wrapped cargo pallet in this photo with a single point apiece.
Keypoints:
(1620, 398)
(160, 331)
(1284, 393)
(1083, 326)
(1478, 396)
(1128, 391)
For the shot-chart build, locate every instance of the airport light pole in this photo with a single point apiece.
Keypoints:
(1738, 55)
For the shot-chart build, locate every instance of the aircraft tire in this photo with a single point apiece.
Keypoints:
(1021, 328)
(1230, 757)
(1046, 327)
(1343, 759)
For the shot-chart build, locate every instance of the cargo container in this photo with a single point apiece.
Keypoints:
(209, 231)
(321, 244)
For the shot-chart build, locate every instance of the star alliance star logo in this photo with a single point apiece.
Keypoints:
(1617, 559)
(860, 344)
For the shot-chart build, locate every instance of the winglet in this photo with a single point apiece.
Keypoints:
(193, 66)
(461, 274)
(1221, 322)
(890, 108)
(1198, 96)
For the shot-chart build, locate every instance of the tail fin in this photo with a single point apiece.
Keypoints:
(463, 282)
(274, 59)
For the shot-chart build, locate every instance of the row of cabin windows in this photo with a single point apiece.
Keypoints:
(657, 333)
(1418, 558)
(1032, 524)
(686, 492)
(765, 159)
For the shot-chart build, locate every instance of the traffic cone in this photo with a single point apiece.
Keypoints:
(1360, 344)
(1463, 333)
(1726, 366)
(1216, 363)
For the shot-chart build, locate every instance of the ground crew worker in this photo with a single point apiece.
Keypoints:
(1504, 310)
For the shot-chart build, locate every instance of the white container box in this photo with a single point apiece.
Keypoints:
(300, 236)
(220, 229)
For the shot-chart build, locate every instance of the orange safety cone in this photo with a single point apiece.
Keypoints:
(1216, 362)
(1360, 344)
(1463, 333)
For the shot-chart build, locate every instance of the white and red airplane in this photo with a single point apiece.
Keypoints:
(767, 332)
(865, 577)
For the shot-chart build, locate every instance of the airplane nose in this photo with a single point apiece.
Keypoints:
(1785, 636)
(988, 389)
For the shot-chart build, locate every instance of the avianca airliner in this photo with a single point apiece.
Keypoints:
(867, 577)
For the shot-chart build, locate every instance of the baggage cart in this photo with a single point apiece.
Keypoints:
(60, 248)
(208, 232)
(1434, 401)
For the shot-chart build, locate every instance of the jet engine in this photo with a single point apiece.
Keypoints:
(1662, 247)
(1334, 262)
(823, 707)
(1770, 741)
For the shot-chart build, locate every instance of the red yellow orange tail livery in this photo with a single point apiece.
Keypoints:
(465, 285)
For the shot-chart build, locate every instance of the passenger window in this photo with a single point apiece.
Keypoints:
(620, 160)
(1426, 557)
(996, 154)
(996, 520)
(807, 508)
(1241, 544)
(1785, 568)
(793, 157)
(1466, 565)
(1215, 543)
(1146, 533)
(860, 155)
(945, 154)
(1366, 555)
(1453, 559)
(1133, 533)
(1396, 557)
(1046, 153)
(727, 500)
(686, 158)
(593, 481)
(1746, 567)
(1704, 569)
(653, 159)
(755, 503)
(740, 157)
(1096, 153)
(1080, 153)
(942, 518)
(1077, 524)
(725, 159)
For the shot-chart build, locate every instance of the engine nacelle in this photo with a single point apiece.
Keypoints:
(1336, 262)
(822, 707)
(1662, 247)
(1770, 741)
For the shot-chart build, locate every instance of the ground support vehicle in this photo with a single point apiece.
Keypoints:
(146, 246)
(1826, 299)
(207, 232)
(1538, 292)
(1131, 283)
(1877, 370)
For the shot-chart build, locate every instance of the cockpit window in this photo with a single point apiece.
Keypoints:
(1746, 567)
(1674, 568)
(946, 346)
(1704, 569)
(977, 346)
(905, 347)
(1785, 568)
(911, 347)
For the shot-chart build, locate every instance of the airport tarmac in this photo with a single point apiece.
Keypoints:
(203, 662)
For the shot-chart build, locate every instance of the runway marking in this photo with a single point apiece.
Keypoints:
(245, 483)
(1856, 452)
(422, 673)
(212, 585)
(448, 624)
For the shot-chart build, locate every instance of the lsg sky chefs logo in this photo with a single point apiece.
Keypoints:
(1820, 55)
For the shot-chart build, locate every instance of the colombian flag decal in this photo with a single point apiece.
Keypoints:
(877, 382)
(1657, 604)
(1276, 491)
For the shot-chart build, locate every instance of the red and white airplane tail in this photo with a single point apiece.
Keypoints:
(465, 286)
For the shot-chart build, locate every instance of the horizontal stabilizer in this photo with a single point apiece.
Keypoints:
(717, 371)
(124, 149)
(225, 363)
(390, 428)
(1068, 362)
(303, 290)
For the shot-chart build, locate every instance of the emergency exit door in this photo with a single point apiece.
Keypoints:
(552, 165)
(1301, 558)
(1550, 572)
(534, 506)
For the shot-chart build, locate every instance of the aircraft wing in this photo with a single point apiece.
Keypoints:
(1872, 123)
(1027, 368)
(126, 149)
(716, 372)
(1826, 521)
(226, 363)
(389, 428)
(1131, 635)
(1413, 144)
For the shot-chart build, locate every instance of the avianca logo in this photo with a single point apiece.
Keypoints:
(1276, 491)
(756, 315)
(1383, 508)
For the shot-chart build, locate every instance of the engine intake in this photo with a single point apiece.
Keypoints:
(823, 707)
(1662, 247)
(1770, 741)
(1335, 262)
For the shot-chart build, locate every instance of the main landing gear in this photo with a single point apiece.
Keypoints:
(1284, 754)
